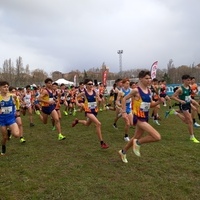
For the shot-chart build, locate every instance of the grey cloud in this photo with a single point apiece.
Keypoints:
(84, 34)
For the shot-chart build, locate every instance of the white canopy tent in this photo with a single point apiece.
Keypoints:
(66, 82)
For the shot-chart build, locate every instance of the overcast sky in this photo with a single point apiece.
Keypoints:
(66, 35)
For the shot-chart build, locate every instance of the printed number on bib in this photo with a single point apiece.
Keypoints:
(6, 110)
(187, 98)
(92, 105)
(145, 106)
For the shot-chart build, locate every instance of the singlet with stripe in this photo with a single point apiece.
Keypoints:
(128, 101)
(48, 97)
(7, 107)
(90, 104)
(141, 106)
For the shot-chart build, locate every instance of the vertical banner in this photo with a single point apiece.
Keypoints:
(154, 69)
(104, 77)
(75, 83)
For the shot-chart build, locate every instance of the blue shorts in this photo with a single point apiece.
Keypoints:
(48, 109)
(7, 120)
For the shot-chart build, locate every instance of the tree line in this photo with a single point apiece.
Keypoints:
(19, 75)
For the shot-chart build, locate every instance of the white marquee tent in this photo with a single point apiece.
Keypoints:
(66, 82)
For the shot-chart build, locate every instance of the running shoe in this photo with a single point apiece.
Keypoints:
(115, 126)
(104, 146)
(101, 109)
(172, 112)
(54, 128)
(156, 121)
(167, 114)
(194, 140)
(61, 137)
(22, 140)
(74, 113)
(3, 151)
(32, 124)
(196, 125)
(37, 112)
(136, 148)
(126, 139)
(107, 108)
(122, 156)
(65, 113)
(75, 122)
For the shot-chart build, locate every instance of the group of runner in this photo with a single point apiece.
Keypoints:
(129, 100)
(47, 101)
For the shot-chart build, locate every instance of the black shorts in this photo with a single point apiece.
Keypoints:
(185, 107)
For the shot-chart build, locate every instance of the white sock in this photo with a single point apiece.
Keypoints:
(192, 136)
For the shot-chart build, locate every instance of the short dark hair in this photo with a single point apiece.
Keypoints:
(143, 73)
(11, 88)
(48, 80)
(20, 89)
(118, 80)
(186, 76)
(54, 83)
(88, 80)
(132, 83)
(2, 83)
(28, 86)
(155, 79)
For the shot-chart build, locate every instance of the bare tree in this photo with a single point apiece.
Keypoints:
(19, 78)
(7, 72)
(38, 76)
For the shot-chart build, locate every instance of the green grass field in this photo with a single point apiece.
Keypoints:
(77, 168)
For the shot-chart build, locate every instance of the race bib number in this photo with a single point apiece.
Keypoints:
(145, 106)
(27, 101)
(92, 105)
(6, 110)
(188, 98)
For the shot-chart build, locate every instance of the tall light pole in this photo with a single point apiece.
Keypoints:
(120, 52)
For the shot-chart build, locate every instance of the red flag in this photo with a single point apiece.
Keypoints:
(154, 69)
(104, 77)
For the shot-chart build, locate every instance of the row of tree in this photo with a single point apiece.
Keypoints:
(20, 76)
